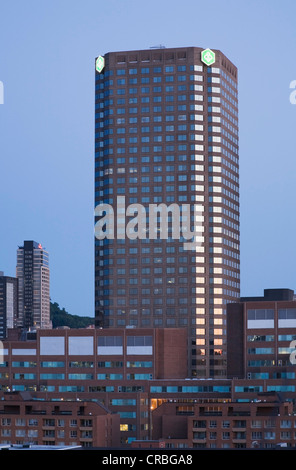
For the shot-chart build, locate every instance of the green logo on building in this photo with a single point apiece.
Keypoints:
(208, 57)
(100, 64)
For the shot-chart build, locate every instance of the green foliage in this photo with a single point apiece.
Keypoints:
(60, 317)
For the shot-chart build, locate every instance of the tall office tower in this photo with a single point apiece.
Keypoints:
(32, 272)
(8, 303)
(166, 137)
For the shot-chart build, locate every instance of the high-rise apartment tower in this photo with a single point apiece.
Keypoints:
(8, 303)
(32, 271)
(166, 138)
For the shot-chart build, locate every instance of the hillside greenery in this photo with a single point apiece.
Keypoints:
(60, 317)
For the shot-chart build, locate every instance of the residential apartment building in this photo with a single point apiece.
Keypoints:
(49, 423)
(32, 272)
(166, 154)
(266, 423)
(8, 303)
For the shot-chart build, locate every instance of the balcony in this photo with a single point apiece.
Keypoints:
(49, 435)
(210, 413)
(48, 424)
(86, 436)
(86, 424)
(236, 428)
(239, 425)
(239, 437)
(199, 437)
(199, 441)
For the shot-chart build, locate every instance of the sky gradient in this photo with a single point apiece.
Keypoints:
(47, 54)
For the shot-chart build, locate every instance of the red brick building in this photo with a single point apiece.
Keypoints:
(167, 133)
(265, 423)
(261, 344)
(87, 424)
(112, 367)
(135, 373)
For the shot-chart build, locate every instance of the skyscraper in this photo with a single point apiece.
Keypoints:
(32, 272)
(166, 138)
(8, 303)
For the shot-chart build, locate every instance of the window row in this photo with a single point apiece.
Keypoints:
(146, 70)
(79, 377)
(147, 89)
(268, 338)
(238, 423)
(78, 364)
(145, 109)
(74, 388)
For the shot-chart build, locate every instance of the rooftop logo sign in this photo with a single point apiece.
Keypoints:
(208, 57)
(100, 64)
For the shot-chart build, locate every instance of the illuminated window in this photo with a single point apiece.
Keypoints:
(217, 271)
(218, 290)
(218, 331)
(199, 311)
(218, 342)
(218, 311)
(218, 352)
(200, 341)
(200, 331)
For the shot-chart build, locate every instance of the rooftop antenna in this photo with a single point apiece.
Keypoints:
(160, 46)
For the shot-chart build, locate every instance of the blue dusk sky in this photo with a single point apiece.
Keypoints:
(47, 53)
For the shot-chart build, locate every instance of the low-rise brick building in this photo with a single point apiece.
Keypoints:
(265, 423)
(64, 423)
(132, 372)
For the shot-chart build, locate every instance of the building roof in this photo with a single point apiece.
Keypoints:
(272, 295)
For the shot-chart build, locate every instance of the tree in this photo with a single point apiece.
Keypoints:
(60, 317)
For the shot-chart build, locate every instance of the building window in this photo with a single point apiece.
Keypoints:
(261, 314)
(139, 341)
